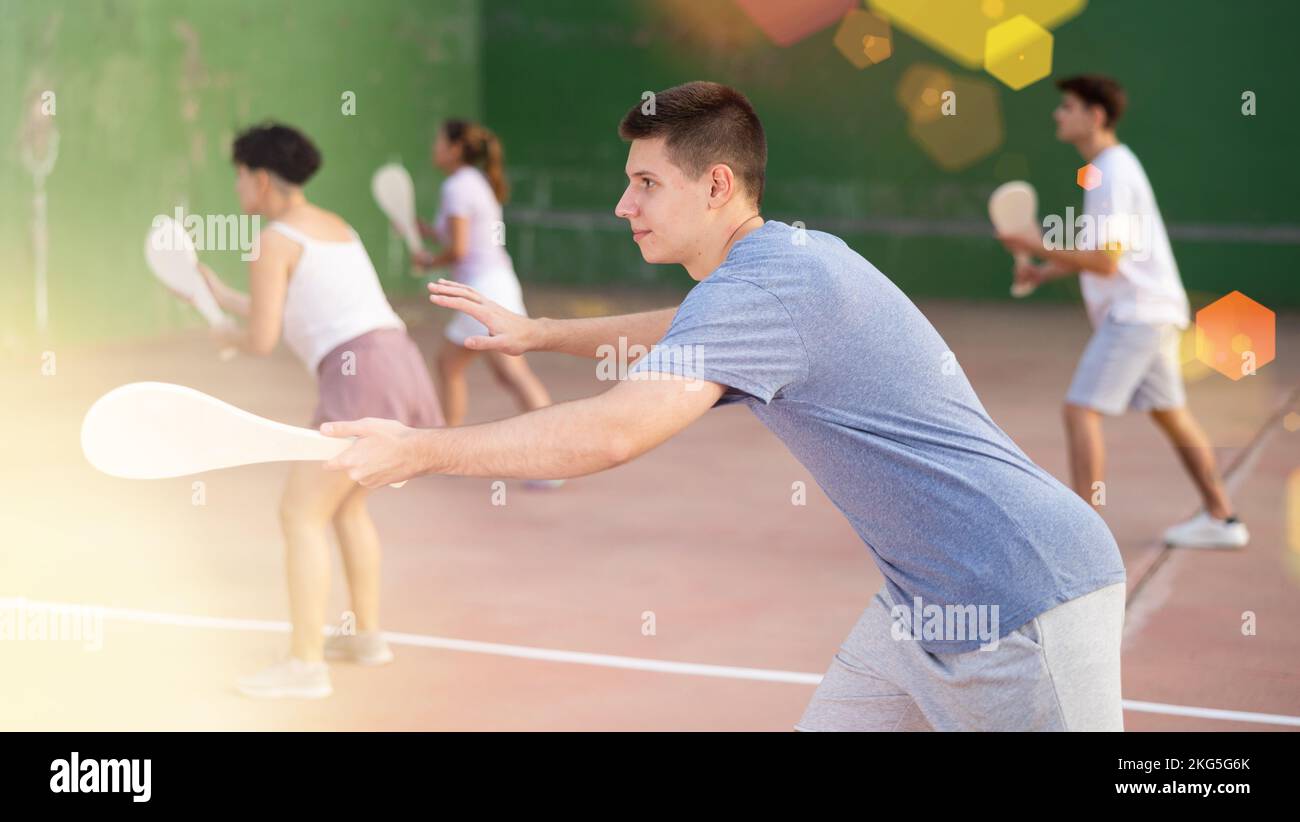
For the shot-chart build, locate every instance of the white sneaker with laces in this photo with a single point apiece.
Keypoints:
(291, 678)
(1205, 531)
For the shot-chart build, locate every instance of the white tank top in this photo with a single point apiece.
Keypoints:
(334, 296)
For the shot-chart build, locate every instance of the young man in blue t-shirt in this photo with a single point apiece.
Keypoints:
(1003, 602)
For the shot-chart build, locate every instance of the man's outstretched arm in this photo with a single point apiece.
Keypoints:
(511, 333)
(568, 439)
(1061, 262)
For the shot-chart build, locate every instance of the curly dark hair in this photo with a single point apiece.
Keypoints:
(282, 150)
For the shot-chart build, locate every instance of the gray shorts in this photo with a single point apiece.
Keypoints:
(1129, 366)
(1057, 672)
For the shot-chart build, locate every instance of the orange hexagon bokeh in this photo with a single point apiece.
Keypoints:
(1088, 177)
(1231, 326)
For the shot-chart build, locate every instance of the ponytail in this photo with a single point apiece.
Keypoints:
(481, 149)
(494, 166)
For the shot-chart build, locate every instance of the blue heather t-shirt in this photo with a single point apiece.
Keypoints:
(837, 362)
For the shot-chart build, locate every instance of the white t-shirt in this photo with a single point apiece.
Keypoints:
(467, 193)
(334, 296)
(1147, 288)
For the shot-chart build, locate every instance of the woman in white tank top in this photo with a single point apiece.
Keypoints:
(314, 284)
(471, 231)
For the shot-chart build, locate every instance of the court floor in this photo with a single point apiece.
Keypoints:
(681, 591)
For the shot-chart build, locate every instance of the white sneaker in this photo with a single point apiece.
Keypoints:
(1205, 531)
(365, 648)
(291, 678)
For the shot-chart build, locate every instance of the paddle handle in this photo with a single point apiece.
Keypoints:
(220, 320)
(1020, 289)
(407, 231)
(205, 302)
(341, 446)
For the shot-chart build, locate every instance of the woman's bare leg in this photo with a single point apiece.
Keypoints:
(452, 360)
(359, 544)
(311, 498)
(513, 373)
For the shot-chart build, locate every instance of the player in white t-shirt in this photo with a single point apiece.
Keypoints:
(1138, 310)
(472, 234)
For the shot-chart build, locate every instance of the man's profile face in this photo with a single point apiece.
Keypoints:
(1075, 119)
(667, 211)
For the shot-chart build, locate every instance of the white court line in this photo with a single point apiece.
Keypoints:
(1211, 713)
(420, 640)
(577, 657)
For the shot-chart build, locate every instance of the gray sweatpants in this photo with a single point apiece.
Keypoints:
(1057, 672)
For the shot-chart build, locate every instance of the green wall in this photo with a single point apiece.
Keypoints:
(149, 94)
(559, 75)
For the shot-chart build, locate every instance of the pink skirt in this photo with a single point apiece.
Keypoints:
(379, 374)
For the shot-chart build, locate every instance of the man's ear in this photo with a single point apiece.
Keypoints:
(1098, 116)
(722, 182)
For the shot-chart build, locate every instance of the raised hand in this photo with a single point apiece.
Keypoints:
(509, 333)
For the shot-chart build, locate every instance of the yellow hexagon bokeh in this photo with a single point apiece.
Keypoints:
(992, 9)
(920, 91)
(957, 141)
(1018, 52)
(863, 38)
(958, 28)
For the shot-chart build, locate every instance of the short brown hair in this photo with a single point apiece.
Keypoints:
(704, 123)
(1098, 90)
